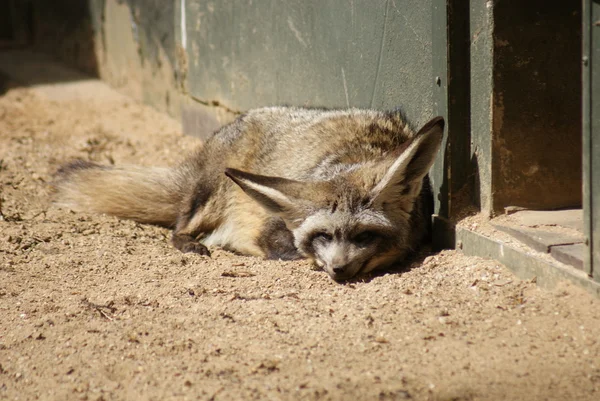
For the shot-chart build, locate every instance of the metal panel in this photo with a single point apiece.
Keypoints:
(482, 87)
(439, 81)
(525, 104)
(451, 92)
(536, 145)
(334, 53)
(591, 136)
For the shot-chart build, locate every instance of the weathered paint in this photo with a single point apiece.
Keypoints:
(334, 53)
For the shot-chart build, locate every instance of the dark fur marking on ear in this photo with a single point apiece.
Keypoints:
(259, 179)
(439, 120)
(400, 148)
(430, 136)
(277, 241)
(334, 206)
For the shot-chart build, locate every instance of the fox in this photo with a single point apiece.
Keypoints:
(347, 189)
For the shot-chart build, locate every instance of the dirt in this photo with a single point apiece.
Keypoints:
(94, 308)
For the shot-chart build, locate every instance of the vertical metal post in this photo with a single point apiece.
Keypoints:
(591, 136)
(439, 81)
(451, 99)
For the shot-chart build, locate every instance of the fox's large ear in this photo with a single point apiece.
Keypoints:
(285, 198)
(406, 173)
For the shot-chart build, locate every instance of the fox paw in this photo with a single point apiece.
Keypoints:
(189, 244)
(195, 247)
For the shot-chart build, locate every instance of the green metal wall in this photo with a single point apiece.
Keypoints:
(334, 53)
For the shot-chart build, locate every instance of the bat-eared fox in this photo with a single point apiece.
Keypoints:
(346, 188)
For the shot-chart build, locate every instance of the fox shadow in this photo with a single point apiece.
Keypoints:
(414, 261)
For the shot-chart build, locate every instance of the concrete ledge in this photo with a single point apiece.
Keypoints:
(525, 263)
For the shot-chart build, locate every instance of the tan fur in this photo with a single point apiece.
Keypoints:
(240, 227)
(148, 195)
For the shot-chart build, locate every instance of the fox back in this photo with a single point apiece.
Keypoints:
(346, 188)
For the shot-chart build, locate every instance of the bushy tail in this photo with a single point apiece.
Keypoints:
(144, 194)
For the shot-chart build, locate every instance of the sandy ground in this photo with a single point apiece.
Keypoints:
(93, 308)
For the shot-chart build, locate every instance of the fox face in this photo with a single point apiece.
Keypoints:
(346, 243)
(360, 219)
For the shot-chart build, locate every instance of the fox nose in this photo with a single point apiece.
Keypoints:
(341, 272)
(339, 269)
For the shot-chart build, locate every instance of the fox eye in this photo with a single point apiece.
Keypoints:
(365, 237)
(322, 236)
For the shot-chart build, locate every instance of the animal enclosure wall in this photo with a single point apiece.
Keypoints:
(332, 53)
(315, 53)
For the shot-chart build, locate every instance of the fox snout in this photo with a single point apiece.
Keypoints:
(342, 272)
(340, 261)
